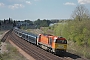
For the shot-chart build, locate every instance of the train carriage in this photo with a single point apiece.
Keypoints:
(23, 35)
(32, 39)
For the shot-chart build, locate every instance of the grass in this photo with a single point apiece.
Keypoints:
(11, 54)
(1, 32)
(79, 50)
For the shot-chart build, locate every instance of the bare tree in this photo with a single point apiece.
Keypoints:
(80, 13)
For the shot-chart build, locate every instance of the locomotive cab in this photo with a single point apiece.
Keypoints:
(60, 45)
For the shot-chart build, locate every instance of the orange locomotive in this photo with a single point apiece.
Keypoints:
(52, 43)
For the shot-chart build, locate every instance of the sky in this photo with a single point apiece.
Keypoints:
(39, 9)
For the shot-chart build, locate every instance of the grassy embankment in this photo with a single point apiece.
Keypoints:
(76, 32)
(11, 54)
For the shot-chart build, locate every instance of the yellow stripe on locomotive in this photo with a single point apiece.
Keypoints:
(60, 46)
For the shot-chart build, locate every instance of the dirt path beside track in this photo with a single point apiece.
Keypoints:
(22, 52)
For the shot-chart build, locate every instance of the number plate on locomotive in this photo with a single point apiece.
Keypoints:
(60, 46)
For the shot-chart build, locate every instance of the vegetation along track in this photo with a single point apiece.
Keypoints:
(34, 51)
(6, 35)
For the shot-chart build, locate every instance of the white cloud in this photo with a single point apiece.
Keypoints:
(2, 4)
(28, 2)
(15, 6)
(83, 1)
(69, 3)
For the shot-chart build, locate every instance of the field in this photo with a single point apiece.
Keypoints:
(78, 50)
(8, 52)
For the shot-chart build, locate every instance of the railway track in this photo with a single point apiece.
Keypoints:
(6, 35)
(34, 51)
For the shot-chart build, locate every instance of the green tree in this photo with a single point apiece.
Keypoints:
(42, 23)
(14, 23)
(28, 21)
